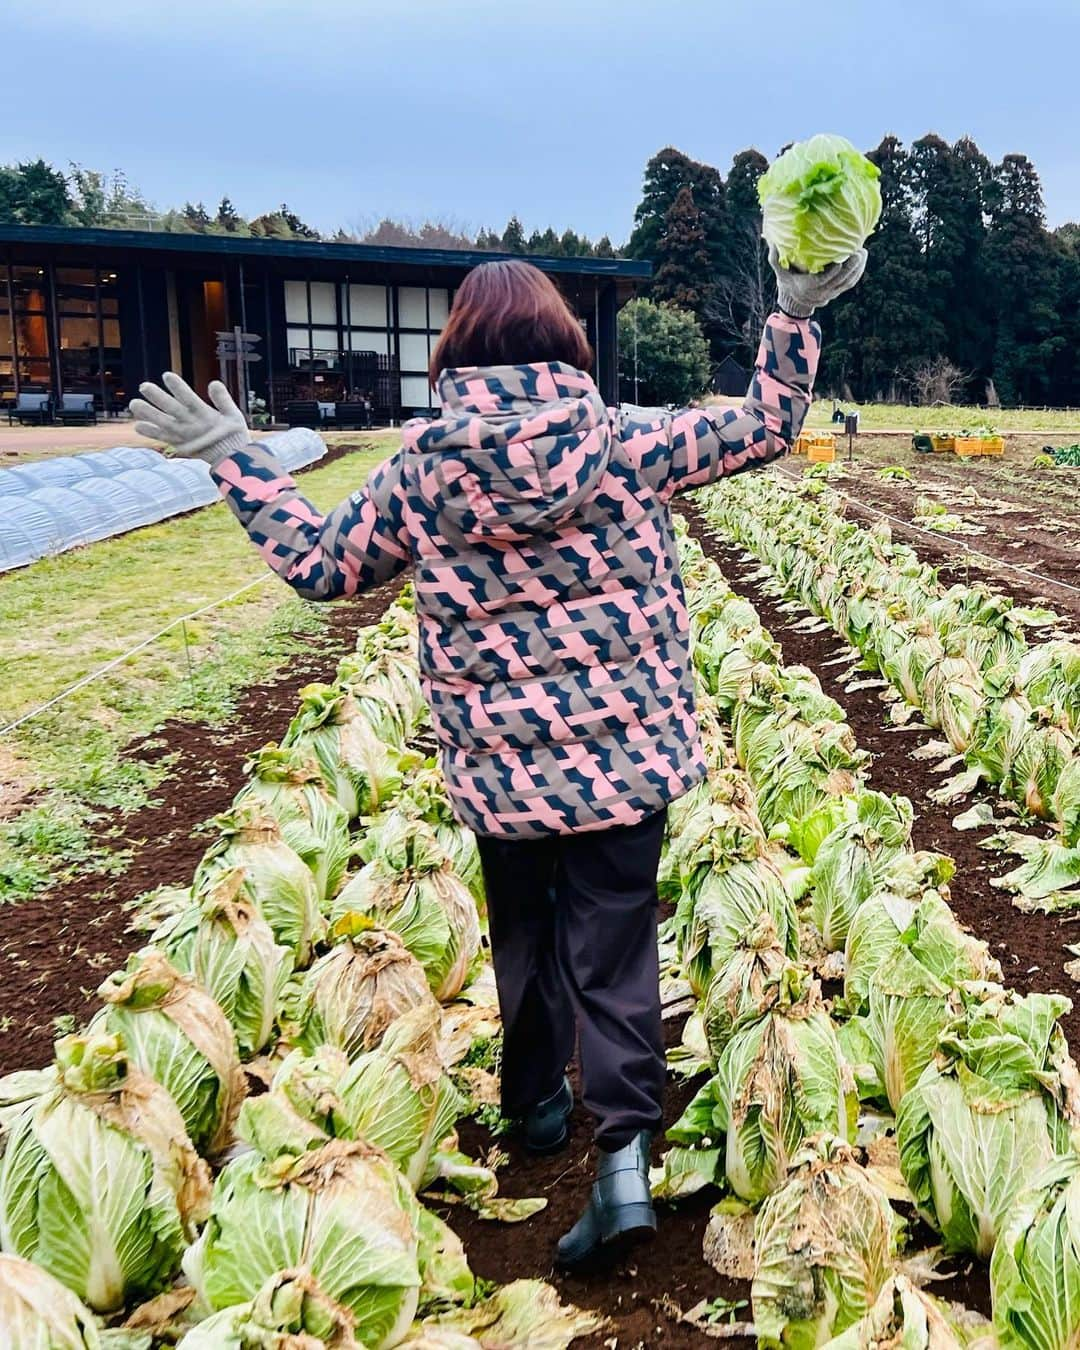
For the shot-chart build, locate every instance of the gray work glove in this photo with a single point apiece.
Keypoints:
(800, 293)
(194, 429)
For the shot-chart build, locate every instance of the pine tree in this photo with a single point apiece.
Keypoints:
(295, 225)
(604, 248)
(683, 274)
(34, 194)
(196, 216)
(227, 218)
(1024, 271)
(513, 239)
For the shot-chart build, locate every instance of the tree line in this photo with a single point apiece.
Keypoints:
(967, 294)
(37, 193)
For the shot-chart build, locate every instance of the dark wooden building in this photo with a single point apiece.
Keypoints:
(97, 311)
(729, 378)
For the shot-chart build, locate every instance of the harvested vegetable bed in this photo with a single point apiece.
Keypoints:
(641, 1299)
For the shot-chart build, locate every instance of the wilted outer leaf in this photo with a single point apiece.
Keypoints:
(905, 1317)
(825, 1242)
(525, 1313)
(38, 1313)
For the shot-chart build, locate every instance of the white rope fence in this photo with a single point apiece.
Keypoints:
(180, 622)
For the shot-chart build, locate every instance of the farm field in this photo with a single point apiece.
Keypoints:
(65, 617)
(186, 761)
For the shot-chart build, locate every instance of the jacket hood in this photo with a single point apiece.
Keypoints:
(516, 450)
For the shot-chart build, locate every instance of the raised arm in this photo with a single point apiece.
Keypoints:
(685, 450)
(358, 545)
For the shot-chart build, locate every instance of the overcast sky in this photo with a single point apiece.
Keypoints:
(469, 110)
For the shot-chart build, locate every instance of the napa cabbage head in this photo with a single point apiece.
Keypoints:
(424, 797)
(360, 769)
(289, 783)
(37, 1312)
(409, 886)
(994, 1107)
(227, 948)
(824, 1245)
(921, 922)
(746, 986)
(178, 1036)
(345, 1215)
(357, 990)
(780, 1080)
(820, 202)
(276, 879)
(854, 861)
(397, 1097)
(100, 1184)
(711, 924)
(1035, 1269)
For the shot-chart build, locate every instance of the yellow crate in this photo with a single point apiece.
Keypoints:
(821, 454)
(968, 446)
(802, 444)
(942, 443)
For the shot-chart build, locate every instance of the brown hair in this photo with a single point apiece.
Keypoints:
(508, 313)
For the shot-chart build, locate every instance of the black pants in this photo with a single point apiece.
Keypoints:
(573, 938)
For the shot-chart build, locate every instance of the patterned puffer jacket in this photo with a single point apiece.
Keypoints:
(554, 638)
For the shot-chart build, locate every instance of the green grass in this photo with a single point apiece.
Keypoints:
(65, 617)
(892, 416)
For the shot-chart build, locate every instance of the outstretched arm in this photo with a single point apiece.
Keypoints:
(358, 545)
(689, 449)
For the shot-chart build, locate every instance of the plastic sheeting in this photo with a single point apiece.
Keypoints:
(58, 504)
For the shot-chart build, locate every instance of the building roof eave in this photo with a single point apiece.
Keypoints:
(621, 270)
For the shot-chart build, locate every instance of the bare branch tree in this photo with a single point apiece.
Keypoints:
(938, 380)
(745, 295)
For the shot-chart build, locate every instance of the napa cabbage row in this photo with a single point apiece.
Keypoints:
(966, 656)
(981, 1080)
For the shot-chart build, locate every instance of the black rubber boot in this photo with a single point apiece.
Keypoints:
(547, 1128)
(620, 1210)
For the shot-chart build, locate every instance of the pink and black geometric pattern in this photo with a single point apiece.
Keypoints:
(554, 639)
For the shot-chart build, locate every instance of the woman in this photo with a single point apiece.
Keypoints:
(554, 646)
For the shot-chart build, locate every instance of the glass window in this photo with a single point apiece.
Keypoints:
(415, 392)
(438, 309)
(76, 291)
(412, 307)
(367, 306)
(413, 351)
(28, 285)
(323, 302)
(296, 306)
(297, 338)
(368, 342)
(324, 337)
